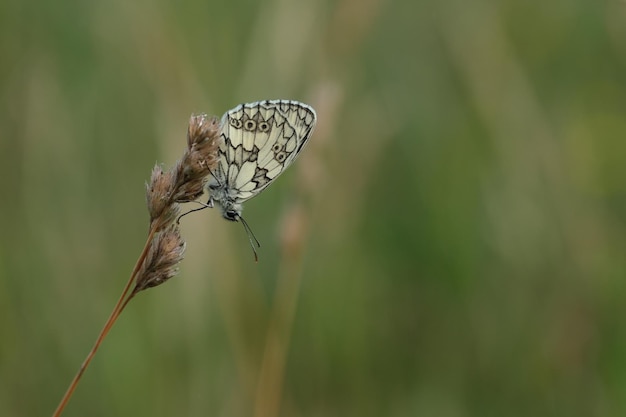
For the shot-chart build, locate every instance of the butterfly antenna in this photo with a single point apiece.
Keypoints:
(204, 206)
(252, 238)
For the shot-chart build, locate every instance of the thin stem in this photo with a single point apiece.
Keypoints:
(272, 374)
(117, 310)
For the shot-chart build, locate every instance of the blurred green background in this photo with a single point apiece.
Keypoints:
(451, 243)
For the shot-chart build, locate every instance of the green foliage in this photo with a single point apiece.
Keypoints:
(459, 213)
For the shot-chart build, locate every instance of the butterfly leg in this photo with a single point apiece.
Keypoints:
(209, 204)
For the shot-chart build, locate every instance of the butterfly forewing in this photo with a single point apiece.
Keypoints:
(260, 140)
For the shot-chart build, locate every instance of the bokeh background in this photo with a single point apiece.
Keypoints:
(451, 243)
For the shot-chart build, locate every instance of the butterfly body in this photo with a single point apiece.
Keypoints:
(258, 142)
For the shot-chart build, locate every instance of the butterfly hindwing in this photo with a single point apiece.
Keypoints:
(260, 140)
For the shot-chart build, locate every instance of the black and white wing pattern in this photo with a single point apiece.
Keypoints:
(258, 142)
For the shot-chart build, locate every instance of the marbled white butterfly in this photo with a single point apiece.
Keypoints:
(258, 142)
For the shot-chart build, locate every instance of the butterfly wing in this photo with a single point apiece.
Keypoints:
(260, 140)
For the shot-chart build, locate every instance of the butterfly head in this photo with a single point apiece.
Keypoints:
(231, 212)
(219, 195)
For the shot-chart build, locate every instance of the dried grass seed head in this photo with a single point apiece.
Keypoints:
(159, 197)
(199, 159)
(161, 263)
(186, 180)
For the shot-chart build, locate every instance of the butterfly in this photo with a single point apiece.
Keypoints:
(258, 142)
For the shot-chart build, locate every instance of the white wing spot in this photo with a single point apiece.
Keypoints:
(245, 174)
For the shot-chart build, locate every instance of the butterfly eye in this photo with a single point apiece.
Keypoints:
(236, 123)
(231, 215)
(264, 127)
(250, 125)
